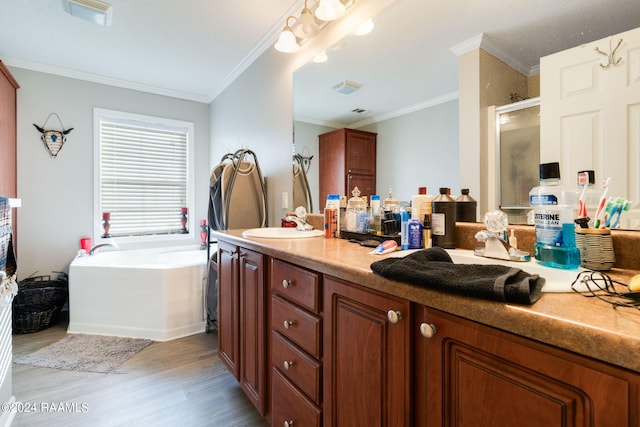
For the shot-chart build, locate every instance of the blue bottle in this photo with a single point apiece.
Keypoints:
(553, 208)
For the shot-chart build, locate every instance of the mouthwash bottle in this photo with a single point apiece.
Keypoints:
(553, 208)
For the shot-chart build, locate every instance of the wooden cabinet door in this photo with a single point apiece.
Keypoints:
(252, 327)
(366, 357)
(228, 307)
(361, 152)
(472, 375)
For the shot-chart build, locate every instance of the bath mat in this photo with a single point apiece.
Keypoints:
(87, 353)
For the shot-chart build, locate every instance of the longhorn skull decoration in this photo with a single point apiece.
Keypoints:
(53, 139)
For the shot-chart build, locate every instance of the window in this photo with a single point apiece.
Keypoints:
(145, 174)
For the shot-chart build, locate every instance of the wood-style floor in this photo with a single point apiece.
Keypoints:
(177, 383)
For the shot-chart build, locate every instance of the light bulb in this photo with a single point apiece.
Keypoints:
(287, 42)
(329, 10)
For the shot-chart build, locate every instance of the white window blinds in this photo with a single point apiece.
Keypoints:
(143, 175)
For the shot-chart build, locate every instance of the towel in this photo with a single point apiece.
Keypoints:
(433, 268)
(8, 285)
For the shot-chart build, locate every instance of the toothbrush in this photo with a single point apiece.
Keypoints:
(583, 180)
(625, 207)
(602, 203)
(612, 210)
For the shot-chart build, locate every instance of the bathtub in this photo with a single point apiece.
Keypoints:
(157, 293)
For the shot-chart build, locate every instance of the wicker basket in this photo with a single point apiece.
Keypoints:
(39, 302)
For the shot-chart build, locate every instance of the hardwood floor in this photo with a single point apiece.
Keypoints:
(176, 383)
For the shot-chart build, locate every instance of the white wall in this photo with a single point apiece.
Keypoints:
(419, 149)
(57, 194)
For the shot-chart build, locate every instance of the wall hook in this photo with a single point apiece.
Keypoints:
(611, 60)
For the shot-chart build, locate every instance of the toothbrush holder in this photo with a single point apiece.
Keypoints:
(596, 248)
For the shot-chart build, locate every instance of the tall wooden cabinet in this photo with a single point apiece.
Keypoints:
(8, 137)
(347, 159)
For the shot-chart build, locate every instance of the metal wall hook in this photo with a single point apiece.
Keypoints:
(611, 60)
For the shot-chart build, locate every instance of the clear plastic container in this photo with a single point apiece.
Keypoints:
(554, 208)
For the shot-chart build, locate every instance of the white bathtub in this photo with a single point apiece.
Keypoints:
(157, 293)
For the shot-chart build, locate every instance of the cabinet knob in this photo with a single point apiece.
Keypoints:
(286, 283)
(428, 330)
(288, 423)
(394, 316)
(288, 324)
(287, 364)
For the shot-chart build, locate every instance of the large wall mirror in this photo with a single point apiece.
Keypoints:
(402, 79)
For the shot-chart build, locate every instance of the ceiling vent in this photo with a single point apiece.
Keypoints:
(346, 87)
(95, 11)
(359, 110)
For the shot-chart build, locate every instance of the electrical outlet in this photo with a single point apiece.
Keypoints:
(285, 200)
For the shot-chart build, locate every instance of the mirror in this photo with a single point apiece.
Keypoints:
(408, 77)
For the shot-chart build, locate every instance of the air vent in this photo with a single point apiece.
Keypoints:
(346, 87)
(95, 11)
(359, 110)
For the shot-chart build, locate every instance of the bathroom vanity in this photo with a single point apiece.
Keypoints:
(315, 338)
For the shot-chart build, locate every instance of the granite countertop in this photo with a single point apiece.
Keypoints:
(569, 321)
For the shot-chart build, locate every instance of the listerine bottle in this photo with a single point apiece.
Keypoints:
(553, 208)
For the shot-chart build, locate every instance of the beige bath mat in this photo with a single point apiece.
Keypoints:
(88, 353)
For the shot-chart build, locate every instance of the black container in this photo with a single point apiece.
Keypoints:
(443, 220)
(466, 207)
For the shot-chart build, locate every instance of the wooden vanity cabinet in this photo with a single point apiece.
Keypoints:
(469, 374)
(242, 319)
(366, 357)
(296, 345)
(347, 159)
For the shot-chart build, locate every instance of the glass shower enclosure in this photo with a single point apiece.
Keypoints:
(518, 149)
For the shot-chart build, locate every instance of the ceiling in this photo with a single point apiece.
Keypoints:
(190, 49)
(193, 49)
(410, 60)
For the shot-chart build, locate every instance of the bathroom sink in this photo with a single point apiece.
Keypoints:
(281, 233)
(556, 279)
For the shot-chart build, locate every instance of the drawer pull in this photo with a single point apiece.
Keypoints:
(288, 324)
(428, 330)
(394, 316)
(288, 423)
(286, 283)
(288, 364)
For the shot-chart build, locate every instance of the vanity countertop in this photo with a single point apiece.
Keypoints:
(569, 321)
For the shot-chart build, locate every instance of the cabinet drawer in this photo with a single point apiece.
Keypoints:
(299, 326)
(296, 284)
(289, 405)
(299, 368)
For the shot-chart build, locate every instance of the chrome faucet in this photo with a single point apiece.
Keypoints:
(102, 245)
(495, 246)
(300, 219)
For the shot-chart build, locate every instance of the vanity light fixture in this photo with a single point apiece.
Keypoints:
(95, 11)
(330, 10)
(287, 42)
(306, 27)
(320, 57)
(364, 28)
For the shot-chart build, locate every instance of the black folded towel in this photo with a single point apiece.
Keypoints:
(433, 268)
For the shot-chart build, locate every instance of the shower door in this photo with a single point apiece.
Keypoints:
(518, 140)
